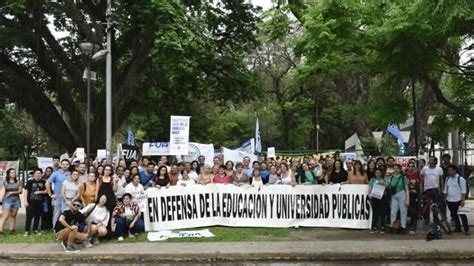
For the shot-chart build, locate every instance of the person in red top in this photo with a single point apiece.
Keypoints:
(221, 176)
(414, 187)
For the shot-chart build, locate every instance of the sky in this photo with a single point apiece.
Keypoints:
(265, 4)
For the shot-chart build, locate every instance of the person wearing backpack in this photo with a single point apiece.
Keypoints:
(455, 193)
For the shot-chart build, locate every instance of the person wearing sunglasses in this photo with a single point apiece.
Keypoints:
(69, 225)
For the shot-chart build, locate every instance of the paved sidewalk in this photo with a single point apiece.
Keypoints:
(250, 251)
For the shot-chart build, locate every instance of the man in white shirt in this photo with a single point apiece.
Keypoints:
(432, 183)
(455, 193)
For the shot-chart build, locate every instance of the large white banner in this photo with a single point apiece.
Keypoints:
(176, 207)
(179, 135)
(156, 148)
(4, 166)
(198, 149)
(237, 156)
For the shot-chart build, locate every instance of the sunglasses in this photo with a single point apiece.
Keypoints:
(76, 205)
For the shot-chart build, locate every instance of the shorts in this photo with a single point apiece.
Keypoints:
(12, 202)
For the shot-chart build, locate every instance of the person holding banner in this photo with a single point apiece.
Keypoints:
(307, 177)
(221, 177)
(371, 167)
(240, 177)
(192, 173)
(185, 180)
(229, 168)
(205, 177)
(273, 178)
(357, 175)
(379, 199)
(11, 202)
(174, 174)
(256, 180)
(286, 177)
(338, 174)
(400, 197)
(136, 190)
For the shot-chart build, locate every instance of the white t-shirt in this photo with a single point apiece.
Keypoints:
(431, 176)
(183, 182)
(98, 214)
(193, 175)
(120, 187)
(138, 195)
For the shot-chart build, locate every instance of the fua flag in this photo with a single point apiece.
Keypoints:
(258, 141)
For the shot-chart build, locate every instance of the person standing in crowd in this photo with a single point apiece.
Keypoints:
(338, 174)
(97, 221)
(400, 197)
(455, 193)
(135, 188)
(390, 165)
(315, 167)
(195, 167)
(47, 213)
(205, 177)
(256, 178)
(87, 191)
(70, 189)
(121, 182)
(107, 185)
(380, 163)
(229, 168)
(147, 176)
(286, 177)
(82, 170)
(67, 227)
(56, 180)
(35, 194)
(240, 177)
(185, 180)
(174, 174)
(307, 176)
(126, 218)
(201, 161)
(357, 175)
(11, 202)
(221, 177)
(264, 172)
(273, 178)
(162, 179)
(246, 163)
(100, 170)
(371, 167)
(379, 206)
(414, 179)
(144, 165)
(217, 160)
(432, 176)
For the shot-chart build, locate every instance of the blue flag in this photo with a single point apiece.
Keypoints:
(393, 129)
(258, 141)
(130, 137)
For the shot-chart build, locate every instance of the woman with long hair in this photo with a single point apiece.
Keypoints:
(338, 174)
(10, 192)
(107, 185)
(357, 175)
(162, 178)
(70, 189)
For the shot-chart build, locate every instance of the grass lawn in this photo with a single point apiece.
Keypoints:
(222, 234)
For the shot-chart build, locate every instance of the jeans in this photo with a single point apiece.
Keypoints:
(122, 226)
(59, 206)
(453, 209)
(399, 203)
(33, 211)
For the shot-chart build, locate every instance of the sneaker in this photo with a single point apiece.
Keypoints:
(88, 244)
(95, 241)
(64, 245)
(38, 232)
(467, 233)
(131, 236)
(457, 230)
(373, 230)
(402, 231)
(71, 249)
(382, 231)
(26, 234)
(12, 232)
(120, 238)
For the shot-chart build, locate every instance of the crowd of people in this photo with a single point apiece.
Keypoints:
(84, 202)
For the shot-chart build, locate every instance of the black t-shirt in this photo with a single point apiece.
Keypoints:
(71, 219)
(338, 177)
(32, 186)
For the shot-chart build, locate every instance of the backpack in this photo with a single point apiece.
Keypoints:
(459, 183)
(434, 233)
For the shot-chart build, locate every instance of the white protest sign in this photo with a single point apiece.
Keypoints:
(236, 156)
(179, 135)
(464, 210)
(267, 206)
(44, 162)
(163, 235)
(64, 156)
(271, 152)
(80, 154)
(198, 149)
(156, 148)
(101, 154)
(377, 191)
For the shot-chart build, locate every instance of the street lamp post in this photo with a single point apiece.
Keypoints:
(88, 48)
(108, 84)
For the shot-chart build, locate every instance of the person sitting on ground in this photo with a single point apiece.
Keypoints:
(35, 194)
(67, 227)
(136, 190)
(126, 218)
(97, 220)
(221, 177)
